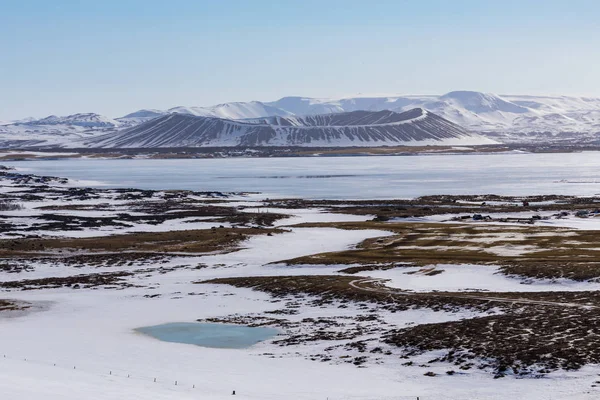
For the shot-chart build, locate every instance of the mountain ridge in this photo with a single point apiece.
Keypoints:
(356, 128)
(474, 110)
(505, 118)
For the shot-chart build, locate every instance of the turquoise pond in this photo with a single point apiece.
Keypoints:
(222, 336)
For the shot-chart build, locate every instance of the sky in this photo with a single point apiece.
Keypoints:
(114, 57)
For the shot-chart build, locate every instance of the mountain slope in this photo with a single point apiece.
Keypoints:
(140, 116)
(55, 131)
(235, 110)
(474, 110)
(357, 128)
(307, 106)
(506, 118)
(87, 120)
(480, 103)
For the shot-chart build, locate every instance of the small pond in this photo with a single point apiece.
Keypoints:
(223, 336)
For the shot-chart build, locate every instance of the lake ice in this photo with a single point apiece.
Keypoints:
(345, 177)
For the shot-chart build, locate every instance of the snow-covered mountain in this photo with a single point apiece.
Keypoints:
(506, 118)
(140, 116)
(55, 131)
(89, 120)
(482, 112)
(236, 110)
(356, 128)
(473, 110)
(24, 120)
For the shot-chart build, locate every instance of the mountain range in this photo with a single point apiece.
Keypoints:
(355, 128)
(473, 110)
(507, 118)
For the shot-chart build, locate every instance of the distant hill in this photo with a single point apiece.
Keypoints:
(503, 118)
(55, 131)
(482, 112)
(356, 128)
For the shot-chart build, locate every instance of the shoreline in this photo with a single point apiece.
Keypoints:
(41, 153)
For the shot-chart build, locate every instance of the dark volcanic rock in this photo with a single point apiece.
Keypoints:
(357, 128)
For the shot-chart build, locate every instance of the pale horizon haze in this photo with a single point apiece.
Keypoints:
(115, 57)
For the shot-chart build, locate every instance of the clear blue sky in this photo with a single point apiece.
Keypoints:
(113, 57)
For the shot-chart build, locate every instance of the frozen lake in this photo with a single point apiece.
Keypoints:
(345, 177)
(222, 336)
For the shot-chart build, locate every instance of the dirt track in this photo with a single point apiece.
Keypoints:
(378, 286)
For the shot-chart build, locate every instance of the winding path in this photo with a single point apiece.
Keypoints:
(377, 285)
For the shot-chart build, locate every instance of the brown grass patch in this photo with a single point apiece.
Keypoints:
(8, 305)
(190, 241)
(531, 251)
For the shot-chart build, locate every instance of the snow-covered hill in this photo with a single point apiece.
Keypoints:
(236, 110)
(24, 120)
(55, 131)
(473, 110)
(506, 118)
(356, 128)
(140, 116)
(89, 120)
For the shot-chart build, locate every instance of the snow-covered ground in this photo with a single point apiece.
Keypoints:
(34, 154)
(93, 330)
(455, 278)
(80, 343)
(90, 338)
(89, 335)
(589, 223)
